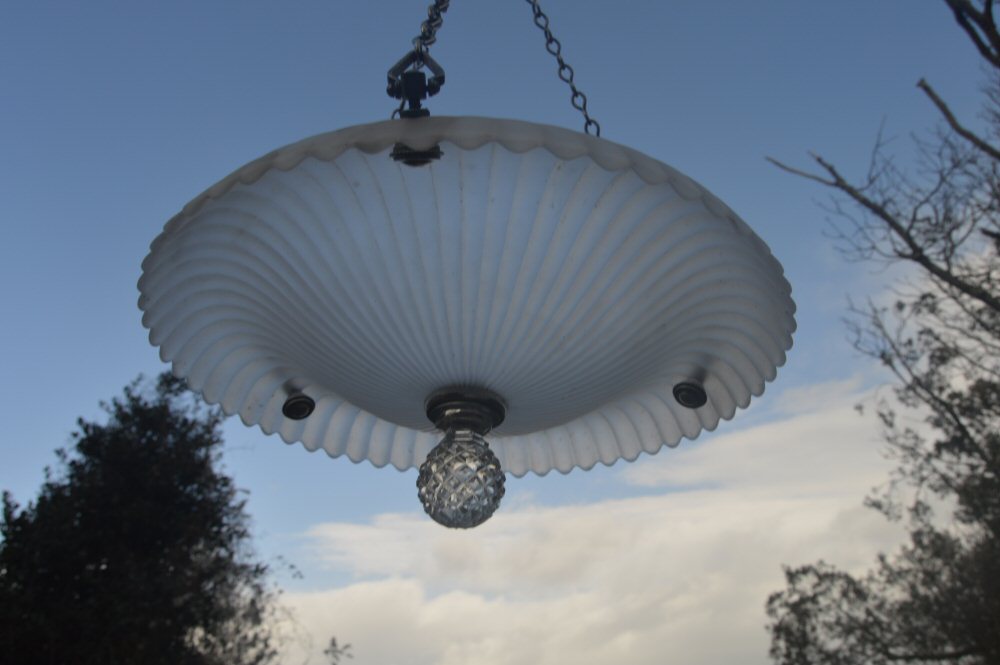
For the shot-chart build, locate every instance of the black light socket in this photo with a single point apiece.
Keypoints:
(298, 406)
(690, 395)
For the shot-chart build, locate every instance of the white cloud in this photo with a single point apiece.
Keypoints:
(822, 445)
(676, 577)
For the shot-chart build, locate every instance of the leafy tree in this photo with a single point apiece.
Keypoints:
(937, 599)
(137, 550)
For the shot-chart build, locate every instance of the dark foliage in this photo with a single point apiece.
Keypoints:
(936, 600)
(137, 550)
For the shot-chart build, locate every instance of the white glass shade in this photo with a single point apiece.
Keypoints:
(576, 278)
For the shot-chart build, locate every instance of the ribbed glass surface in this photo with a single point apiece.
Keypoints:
(576, 278)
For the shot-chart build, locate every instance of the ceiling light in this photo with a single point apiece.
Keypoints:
(364, 290)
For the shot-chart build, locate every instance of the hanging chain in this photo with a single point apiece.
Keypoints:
(429, 28)
(407, 82)
(552, 45)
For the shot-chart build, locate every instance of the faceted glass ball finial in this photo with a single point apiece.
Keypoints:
(461, 482)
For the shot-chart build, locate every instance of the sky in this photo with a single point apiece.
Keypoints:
(115, 114)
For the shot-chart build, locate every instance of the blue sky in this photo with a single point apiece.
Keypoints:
(116, 114)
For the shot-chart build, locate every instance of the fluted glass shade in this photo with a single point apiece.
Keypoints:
(579, 280)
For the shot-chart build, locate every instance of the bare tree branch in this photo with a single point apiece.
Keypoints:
(915, 251)
(955, 124)
(981, 29)
(802, 174)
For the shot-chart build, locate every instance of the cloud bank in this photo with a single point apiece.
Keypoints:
(677, 573)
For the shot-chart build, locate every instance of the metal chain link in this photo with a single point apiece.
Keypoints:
(552, 45)
(429, 28)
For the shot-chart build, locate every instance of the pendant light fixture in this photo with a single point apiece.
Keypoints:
(371, 289)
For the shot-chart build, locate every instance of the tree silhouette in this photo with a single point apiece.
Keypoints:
(936, 600)
(138, 549)
(334, 652)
